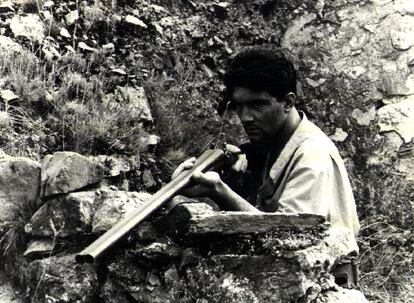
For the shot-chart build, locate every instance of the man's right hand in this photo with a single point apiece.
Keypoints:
(240, 166)
(210, 184)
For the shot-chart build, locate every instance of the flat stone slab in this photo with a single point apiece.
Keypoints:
(229, 223)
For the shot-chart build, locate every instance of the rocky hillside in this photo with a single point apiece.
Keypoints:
(140, 79)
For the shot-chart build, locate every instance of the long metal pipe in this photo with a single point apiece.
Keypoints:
(205, 162)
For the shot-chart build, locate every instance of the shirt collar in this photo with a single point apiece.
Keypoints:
(304, 130)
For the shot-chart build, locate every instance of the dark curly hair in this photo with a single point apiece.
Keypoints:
(261, 68)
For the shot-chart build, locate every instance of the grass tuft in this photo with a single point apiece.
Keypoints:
(387, 273)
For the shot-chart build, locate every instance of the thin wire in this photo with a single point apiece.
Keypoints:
(221, 134)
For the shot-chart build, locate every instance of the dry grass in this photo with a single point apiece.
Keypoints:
(387, 273)
(12, 235)
(64, 100)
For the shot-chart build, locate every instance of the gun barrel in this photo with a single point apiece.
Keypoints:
(205, 162)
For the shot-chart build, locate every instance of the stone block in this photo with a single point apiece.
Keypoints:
(19, 186)
(136, 100)
(228, 223)
(336, 243)
(60, 279)
(64, 172)
(114, 206)
(341, 295)
(64, 216)
(398, 117)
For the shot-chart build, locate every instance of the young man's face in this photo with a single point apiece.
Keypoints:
(262, 115)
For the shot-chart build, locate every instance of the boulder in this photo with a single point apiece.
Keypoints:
(341, 295)
(64, 172)
(29, 26)
(116, 165)
(60, 279)
(398, 117)
(136, 100)
(19, 186)
(114, 206)
(64, 216)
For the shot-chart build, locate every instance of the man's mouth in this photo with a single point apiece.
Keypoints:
(250, 130)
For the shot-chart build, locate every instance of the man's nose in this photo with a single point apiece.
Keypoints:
(245, 115)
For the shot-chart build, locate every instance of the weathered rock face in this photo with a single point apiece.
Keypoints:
(355, 62)
(398, 117)
(64, 172)
(63, 216)
(114, 206)
(19, 186)
(60, 279)
(341, 295)
(136, 101)
(79, 213)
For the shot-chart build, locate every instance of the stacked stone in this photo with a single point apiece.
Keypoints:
(64, 200)
(187, 250)
(197, 252)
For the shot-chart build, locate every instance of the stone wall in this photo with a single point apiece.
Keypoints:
(356, 64)
(187, 250)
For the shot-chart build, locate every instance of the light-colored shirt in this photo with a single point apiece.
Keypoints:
(309, 176)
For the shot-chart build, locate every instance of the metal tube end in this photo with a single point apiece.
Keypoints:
(82, 258)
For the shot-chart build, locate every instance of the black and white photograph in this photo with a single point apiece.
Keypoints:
(184, 151)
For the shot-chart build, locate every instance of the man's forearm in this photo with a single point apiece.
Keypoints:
(228, 199)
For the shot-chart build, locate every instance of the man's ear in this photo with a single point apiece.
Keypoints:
(290, 99)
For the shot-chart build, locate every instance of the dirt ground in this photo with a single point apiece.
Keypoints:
(7, 293)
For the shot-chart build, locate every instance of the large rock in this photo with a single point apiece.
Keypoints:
(29, 26)
(64, 172)
(61, 280)
(116, 165)
(64, 216)
(398, 117)
(19, 186)
(341, 296)
(136, 100)
(114, 206)
(230, 223)
(344, 49)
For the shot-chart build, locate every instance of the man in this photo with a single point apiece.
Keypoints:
(289, 165)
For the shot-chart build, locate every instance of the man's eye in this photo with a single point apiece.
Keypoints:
(257, 105)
